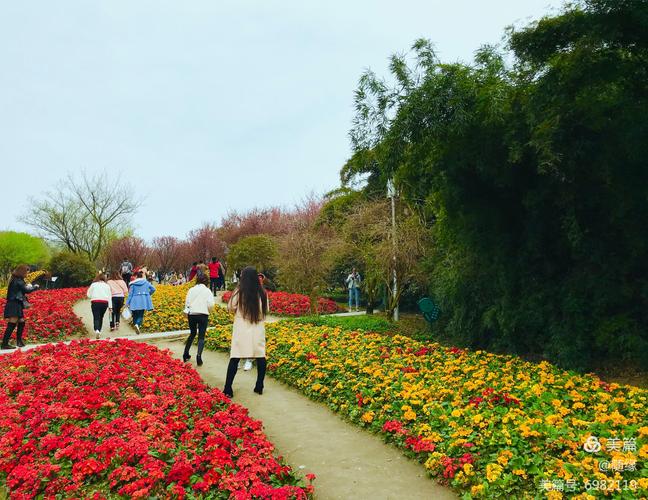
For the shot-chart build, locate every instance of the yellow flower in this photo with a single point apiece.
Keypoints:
(409, 415)
(456, 413)
(468, 469)
(643, 451)
(493, 471)
(477, 489)
(520, 472)
(478, 418)
(368, 417)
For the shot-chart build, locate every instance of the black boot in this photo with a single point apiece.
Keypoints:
(19, 334)
(199, 360)
(261, 371)
(7, 336)
(231, 373)
(186, 357)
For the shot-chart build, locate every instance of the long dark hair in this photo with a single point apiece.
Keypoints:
(249, 292)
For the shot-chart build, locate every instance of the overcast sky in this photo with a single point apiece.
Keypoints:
(207, 105)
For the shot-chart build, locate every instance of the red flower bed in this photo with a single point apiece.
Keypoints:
(98, 419)
(294, 304)
(51, 316)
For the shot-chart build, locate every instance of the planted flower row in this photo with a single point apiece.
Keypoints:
(106, 419)
(168, 313)
(489, 425)
(294, 304)
(51, 316)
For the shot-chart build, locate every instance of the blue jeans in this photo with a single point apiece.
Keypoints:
(138, 317)
(354, 292)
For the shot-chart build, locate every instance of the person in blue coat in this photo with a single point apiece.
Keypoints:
(139, 299)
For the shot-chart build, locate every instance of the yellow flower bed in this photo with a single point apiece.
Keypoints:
(168, 315)
(491, 426)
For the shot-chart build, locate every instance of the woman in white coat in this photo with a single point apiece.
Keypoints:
(249, 302)
(198, 303)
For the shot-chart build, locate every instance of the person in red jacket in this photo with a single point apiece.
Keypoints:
(193, 271)
(214, 272)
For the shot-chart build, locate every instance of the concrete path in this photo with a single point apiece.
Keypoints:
(349, 463)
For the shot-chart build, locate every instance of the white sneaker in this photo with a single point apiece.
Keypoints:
(248, 365)
(97, 334)
(137, 329)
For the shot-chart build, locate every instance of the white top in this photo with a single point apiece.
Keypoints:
(100, 291)
(200, 300)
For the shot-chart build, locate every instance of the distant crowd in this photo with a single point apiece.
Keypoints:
(214, 269)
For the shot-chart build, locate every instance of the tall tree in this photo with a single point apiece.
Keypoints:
(259, 251)
(20, 248)
(83, 214)
(205, 243)
(166, 254)
(534, 175)
(130, 248)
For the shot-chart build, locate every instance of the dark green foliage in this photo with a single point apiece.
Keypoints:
(536, 179)
(72, 269)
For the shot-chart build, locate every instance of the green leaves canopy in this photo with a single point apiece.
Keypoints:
(535, 177)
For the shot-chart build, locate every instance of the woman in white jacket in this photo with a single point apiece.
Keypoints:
(100, 297)
(198, 303)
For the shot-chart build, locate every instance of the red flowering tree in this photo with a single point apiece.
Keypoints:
(130, 248)
(205, 243)
(166, 253)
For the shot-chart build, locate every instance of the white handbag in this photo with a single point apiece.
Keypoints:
(126, 313)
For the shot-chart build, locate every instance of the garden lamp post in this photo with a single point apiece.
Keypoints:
(391, 193)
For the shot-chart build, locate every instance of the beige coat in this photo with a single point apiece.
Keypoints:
(248, 339)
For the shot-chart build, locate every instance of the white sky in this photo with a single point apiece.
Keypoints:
(206, 105)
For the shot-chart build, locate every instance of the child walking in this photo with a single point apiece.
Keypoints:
(249, 302)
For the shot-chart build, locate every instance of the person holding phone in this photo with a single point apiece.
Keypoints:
(17, 291)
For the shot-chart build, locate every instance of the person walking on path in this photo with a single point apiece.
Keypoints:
(214, 273)
(221, 276)
(17, 291)
(139, 299)
(126, 269)
(249, 302)
(198, 303)
(100, 297)
(353, 284)
(119, 290)
(193, 271)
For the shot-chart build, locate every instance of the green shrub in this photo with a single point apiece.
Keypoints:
(72, 269)
(369, 323)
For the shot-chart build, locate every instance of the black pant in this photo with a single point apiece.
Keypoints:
(197, 323)
(213, 285)
(98, 311)
(118, 303)
(231, 373)
(126, 277)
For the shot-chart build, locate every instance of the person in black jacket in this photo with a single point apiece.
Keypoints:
(14, 308)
